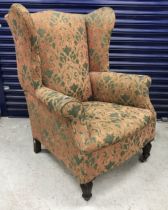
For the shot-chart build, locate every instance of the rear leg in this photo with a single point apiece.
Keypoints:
(146, 152)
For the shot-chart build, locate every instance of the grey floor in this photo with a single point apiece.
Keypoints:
(31, 181)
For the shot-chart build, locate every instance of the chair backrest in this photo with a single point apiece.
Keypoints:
(59, 49)
(62, 39)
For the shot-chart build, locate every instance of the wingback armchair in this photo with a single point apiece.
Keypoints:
(86, 116)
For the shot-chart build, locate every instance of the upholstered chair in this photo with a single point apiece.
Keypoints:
(86, 116)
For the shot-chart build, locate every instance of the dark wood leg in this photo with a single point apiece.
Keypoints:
(86, 190)
(146, 152)
(37, 146)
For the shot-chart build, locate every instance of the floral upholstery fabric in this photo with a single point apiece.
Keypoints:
(90, 137)
(28, 61)
(68, 106)
(124, 89)
(109, 123)
(99, 27)
(62, 39)
(58, 136)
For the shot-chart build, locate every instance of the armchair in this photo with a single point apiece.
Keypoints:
(86, 116)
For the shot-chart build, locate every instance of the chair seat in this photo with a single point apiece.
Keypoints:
(109, 123)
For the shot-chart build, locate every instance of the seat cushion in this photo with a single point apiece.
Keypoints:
(109, 123)
(62, 38)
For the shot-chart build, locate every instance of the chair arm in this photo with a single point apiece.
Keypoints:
(67, 106)
(124, 89)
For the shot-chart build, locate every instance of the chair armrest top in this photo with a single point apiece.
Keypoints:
(124, 89)
(68, 106)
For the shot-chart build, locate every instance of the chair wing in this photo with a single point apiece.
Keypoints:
(28, 60)
(99, 25)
